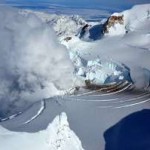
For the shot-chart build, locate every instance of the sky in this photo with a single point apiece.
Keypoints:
(86, 3)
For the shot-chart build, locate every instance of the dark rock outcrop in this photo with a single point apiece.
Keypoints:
(111, 21)
(67, 39)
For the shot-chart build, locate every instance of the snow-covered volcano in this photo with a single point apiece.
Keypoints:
(125, 43)
(118, 61)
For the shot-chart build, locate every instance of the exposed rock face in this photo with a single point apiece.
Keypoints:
(115, 25)
(112, 20)
(67, 38)
(84, 29)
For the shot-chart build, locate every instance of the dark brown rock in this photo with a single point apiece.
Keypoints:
(111, 21)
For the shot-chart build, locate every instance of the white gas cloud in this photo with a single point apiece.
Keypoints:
(33, 65)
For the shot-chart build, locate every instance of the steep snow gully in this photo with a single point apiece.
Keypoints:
(112, 110)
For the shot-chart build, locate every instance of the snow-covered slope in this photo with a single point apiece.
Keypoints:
(118, 23)
(70, 27)
(89, 115)
(117, 57)
(135, 19)
(121, 46)
(61, 136)
(63, 25)
(128, 30)
(57, 136)
(99, 71)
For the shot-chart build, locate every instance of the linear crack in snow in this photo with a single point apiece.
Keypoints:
(40, 111)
